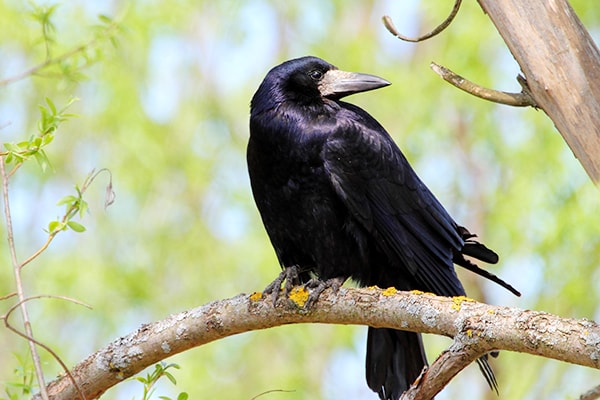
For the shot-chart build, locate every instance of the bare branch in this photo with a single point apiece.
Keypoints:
(389, 24)
(19, 284)
(443, 370)
(30, 339)
(477, 328)
(522, 99)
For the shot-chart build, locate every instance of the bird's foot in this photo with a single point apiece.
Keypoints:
(290, 276)
(317, 287)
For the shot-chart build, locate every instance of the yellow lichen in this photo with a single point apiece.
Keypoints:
(491, 311)
(469, 332)
(458, 300)
(372, 287)
(299, 295)
(390, 291)
(256, 296)
(422, 292)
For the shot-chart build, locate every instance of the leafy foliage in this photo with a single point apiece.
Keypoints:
(50, 119)
(22, 387)
(159, 372)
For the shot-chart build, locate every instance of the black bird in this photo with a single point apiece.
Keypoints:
(339, 200)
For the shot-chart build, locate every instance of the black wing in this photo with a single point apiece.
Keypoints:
(383, 193)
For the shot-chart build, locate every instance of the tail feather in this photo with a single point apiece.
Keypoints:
(463, 262)
(479, 251)
(475, 249)
(487, 372)
(395, 360)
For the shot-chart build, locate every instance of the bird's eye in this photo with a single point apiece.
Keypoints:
(316, 75)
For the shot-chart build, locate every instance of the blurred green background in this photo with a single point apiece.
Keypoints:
(166, 110)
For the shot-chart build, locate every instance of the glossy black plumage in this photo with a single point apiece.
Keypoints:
(339, 200)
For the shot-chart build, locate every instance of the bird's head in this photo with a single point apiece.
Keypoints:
(310, 79)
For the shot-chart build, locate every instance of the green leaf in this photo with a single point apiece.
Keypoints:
(51, 105)
(11, 147)
(76, 226)
(69, 199)
(47, 139)
(183, 396)
(55, 226)
(83, 207)
(105, 19)
(42, 160)
(170, 377)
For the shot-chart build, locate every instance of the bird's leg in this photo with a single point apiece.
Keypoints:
(290, 276)
(318, 286)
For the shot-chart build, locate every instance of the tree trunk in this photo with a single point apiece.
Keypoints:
(562, 66)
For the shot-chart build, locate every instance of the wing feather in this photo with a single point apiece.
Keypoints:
(383, 193)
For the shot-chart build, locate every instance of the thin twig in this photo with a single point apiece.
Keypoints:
(110, 195)
(272, 391)
(8, 296)
(20, 292)
(48, 62)
(44, 296)
(58, 59)
(41, 249)
(523, 99)
(389, 24)
(6, 316)
(108, 200)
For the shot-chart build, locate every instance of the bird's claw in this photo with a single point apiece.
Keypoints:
(317, 287)
(290, 276)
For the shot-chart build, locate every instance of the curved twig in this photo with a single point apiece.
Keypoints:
(523, 99)
(40, 344)
(389, 24)
(109, 199)
(272, 391)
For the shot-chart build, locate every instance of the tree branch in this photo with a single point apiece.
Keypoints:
(476, 327)
(522, 99)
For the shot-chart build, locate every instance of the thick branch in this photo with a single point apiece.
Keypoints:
(441, 372)
(562, 66)
(477, 327)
